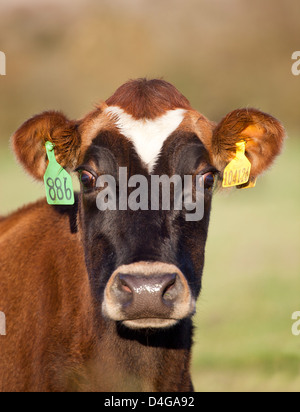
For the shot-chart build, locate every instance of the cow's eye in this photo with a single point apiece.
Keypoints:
(87, 179)
(209, 180)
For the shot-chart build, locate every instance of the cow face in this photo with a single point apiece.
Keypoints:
(148, 263)
(145, 261)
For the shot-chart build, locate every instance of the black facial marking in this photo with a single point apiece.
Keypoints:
(182, 153)
(120, 237)
(71, 212)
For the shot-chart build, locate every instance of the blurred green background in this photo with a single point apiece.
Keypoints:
(221, 55)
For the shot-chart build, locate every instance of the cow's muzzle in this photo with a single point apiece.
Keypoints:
(148, 295)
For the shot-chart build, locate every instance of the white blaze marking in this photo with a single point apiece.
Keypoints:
(148, 136)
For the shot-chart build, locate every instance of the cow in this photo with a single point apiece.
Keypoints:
(103, 300)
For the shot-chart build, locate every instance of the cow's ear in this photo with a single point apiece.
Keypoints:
(29, 142)
(264, 136)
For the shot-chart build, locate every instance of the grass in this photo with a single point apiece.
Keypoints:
(243, 339)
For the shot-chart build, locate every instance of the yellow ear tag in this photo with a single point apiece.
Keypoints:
(237, 172)
(249, 185)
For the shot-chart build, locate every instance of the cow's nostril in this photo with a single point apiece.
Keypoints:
(124, 286)
(126, 289)
(170, 291)
(123, 290)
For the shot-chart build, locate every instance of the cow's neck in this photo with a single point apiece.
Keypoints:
(143, 361)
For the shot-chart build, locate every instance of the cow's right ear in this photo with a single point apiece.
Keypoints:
(29, 142)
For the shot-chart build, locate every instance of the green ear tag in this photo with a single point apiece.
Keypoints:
(58, 182)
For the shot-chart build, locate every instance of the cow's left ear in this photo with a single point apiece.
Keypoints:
(263, 134)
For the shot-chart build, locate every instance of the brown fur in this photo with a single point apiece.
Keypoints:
(52, 339)
(148, 99)
(29, 142)
(263, 133)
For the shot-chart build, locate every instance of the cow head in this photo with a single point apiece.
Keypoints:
(145, 266)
